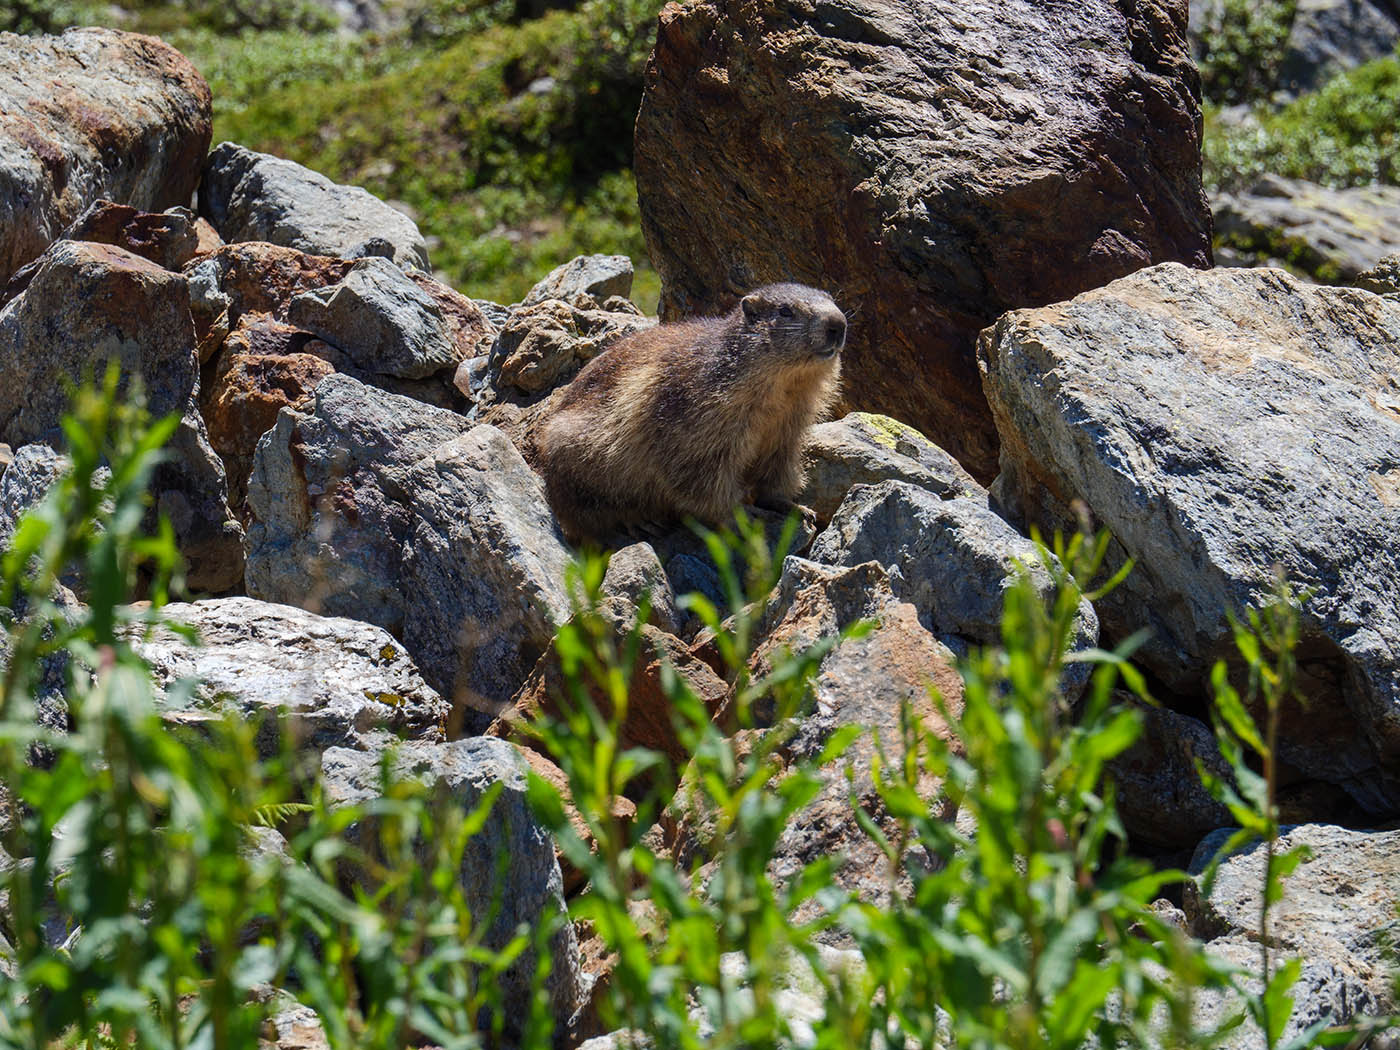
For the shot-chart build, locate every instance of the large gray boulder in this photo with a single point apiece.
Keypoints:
(1338, 908)
(92, 113)
(381, 319)
(950, 556)
(508, 873)
(1333, 235)
(864, 449)
(596, 276)
(931, 163)
(339, 682)
(250, 196)
(378, 507)
(90, 304)
(1221, 425)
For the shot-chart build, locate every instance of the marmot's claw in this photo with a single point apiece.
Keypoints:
(778, 505)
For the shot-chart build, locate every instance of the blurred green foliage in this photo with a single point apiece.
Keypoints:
(1344, 134)
(1242, 47)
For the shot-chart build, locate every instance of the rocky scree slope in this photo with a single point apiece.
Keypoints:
(402, 578)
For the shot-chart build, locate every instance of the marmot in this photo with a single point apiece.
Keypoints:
(692, 418)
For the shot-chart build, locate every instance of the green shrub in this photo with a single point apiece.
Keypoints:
(1243, 44)
(1344, 134)
(137, 912)
(1033, 931)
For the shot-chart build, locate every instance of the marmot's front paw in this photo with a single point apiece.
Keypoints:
(783, 506)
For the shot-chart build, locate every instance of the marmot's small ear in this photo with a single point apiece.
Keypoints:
(752, 305)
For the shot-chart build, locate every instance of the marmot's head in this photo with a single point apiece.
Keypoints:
(800, 324)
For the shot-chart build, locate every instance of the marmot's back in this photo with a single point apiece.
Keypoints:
(692, 419)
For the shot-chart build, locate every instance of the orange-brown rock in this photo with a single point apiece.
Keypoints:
(90, 114)
(167, 238)
(255, 277)
(259, 372)
(251, 277)
(933, 163)
(622, 812)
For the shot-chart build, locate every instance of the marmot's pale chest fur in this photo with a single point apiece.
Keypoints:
(692, 419)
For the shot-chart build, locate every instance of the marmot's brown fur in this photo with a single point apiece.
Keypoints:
(694, 418)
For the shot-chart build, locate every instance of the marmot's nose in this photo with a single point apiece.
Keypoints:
(836, 329)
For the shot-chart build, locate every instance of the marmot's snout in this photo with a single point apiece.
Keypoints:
(829, 331)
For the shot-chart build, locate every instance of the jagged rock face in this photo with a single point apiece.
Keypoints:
(635, 576)
(931, 163)
(1338, 908)
(339, 682)
(88, 304)
(543, 346)
(1221, 424)
(250, 196)
(403, 332)
(1383, 278)
(251, 278)
(89, 114)
(375, 506)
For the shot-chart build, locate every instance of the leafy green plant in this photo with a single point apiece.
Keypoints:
(1267, 641)
(1024, 934)
(140, 905)
(1025, 924)
(678, 933)
(1036, 930)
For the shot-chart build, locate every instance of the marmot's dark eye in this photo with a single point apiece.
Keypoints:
(785, 311)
